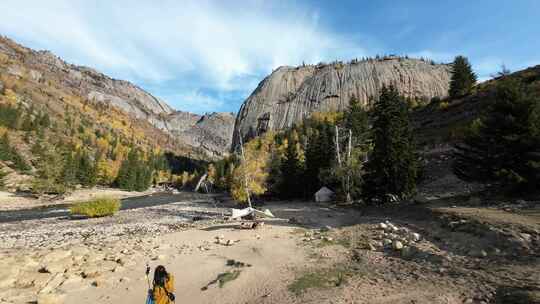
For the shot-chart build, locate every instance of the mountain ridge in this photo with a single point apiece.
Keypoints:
(88, 83)
(290, 94)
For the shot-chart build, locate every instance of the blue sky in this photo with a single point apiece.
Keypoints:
(205, 56)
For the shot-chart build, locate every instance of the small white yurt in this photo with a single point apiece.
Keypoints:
(324, 195)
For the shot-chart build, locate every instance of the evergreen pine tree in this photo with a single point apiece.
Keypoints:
(356, 120)
(49, 170)
(10, 154)
(392, 167)
(503, 146)
(463, 78)
(127, 175)
(291, 170)
(70, 170)
(86, 173)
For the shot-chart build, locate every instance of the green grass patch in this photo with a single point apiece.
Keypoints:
(98, 207)
(224, 278)
(321, 279)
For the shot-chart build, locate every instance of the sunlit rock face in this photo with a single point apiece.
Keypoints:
(290, 94)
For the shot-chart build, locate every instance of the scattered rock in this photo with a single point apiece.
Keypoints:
(397, 245)
(415, 237)
(124, 280)
(159, 257)
(91, 272)
(55, 267)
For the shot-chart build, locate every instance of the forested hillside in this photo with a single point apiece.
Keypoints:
(54, 137)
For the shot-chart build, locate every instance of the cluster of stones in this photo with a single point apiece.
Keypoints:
(220, 240)
(397, 238)
(318, 235)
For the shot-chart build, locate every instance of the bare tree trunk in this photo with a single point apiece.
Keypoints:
(349, 166)
(245, 175)
(337, 146)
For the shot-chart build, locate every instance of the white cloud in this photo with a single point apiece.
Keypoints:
(220, 45)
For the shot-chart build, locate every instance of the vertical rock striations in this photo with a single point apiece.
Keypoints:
(291, 94)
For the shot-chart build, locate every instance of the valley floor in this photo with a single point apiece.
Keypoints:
(311, 253)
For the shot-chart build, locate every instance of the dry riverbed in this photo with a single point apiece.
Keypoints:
(311, 253)
(13, 201)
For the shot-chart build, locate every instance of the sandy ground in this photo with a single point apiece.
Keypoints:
(13, 201)
(103, 260)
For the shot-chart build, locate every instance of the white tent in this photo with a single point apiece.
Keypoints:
(324, 195)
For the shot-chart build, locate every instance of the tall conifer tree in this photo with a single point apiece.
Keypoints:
(503, 146)
(463, 78)
(392, 166)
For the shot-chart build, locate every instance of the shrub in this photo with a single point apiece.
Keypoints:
(98, 207)
(42, 186)
(443, 105)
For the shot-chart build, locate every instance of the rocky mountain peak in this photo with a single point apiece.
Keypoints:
(290, 94)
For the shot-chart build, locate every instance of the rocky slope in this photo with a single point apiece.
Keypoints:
(211, 133)
(45, 69)
(290, 94)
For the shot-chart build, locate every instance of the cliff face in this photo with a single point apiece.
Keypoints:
(211, 133)
(44, 69)
(291, 94)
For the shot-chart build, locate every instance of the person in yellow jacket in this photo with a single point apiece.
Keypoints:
(163, 289)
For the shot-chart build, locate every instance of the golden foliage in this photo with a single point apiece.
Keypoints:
(163, 176)
(10, 97)
(107, 170)
(3, 130)
(331, 117)
(254, 169)
(98, 207)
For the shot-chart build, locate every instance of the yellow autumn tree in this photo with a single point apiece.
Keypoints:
(254, 170)
(107, 170)
(212, 174)
(102, 145)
